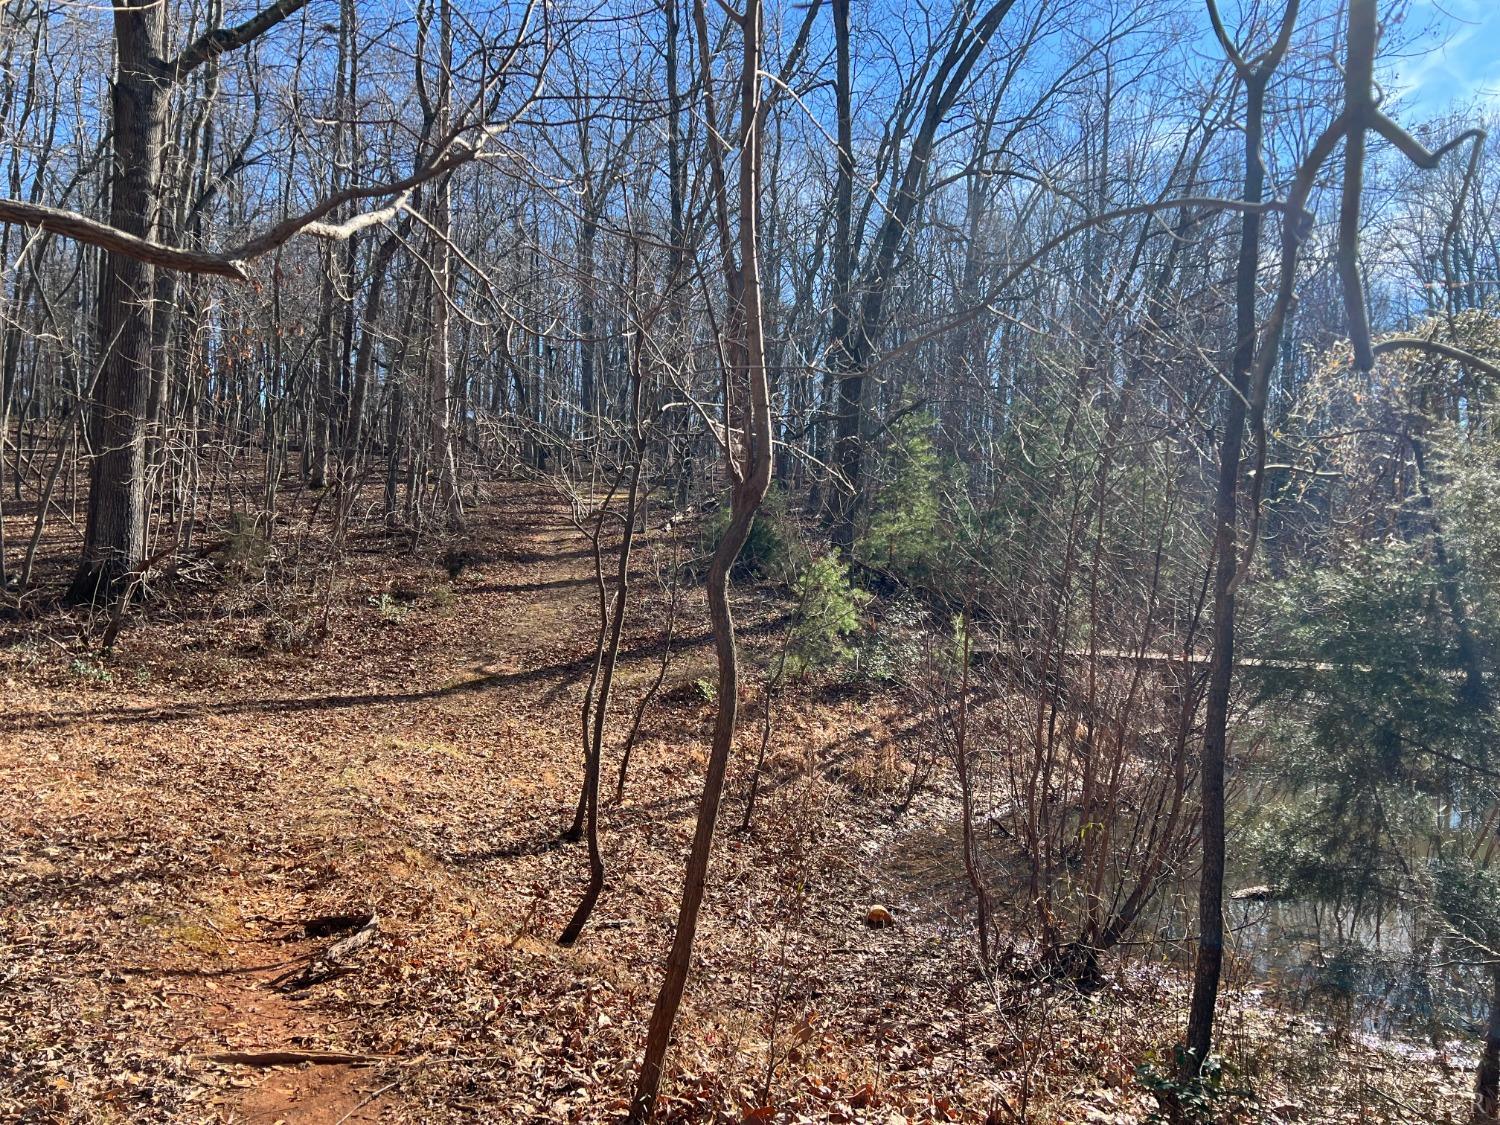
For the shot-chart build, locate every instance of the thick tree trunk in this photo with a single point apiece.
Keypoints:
(1487, 1085)
(320, 416)
(588, 396)
(115, 539)
(848, 455)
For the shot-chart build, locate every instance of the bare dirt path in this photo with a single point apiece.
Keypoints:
(173, 816)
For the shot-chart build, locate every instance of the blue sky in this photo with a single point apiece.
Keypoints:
(1453, 54)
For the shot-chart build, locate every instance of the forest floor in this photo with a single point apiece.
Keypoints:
(203, 814)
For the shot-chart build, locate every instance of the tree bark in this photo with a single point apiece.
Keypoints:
(1209, 964)
(115, 532)
(745, 351)
(1246, 379)
(1487, 1084)
(115, 535)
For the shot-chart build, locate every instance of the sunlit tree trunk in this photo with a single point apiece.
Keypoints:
(750, 473)
(115, 536)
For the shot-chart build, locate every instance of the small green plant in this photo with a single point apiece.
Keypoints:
(91, 670)
(890, 652)
(441, 596)
(829, 606)
(1200, 1098)
(392, 611)
(904, 534)
(27, 653)
(705, 689)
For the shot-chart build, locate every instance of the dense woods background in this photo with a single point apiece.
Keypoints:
(1105, 388)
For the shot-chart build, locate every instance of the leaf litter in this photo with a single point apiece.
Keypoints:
(217, 817)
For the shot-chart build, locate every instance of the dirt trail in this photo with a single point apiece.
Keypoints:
(187, 808)
(172, 815)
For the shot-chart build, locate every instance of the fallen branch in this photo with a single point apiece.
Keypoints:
(372, 1096)
(295, 1058)
(331, 962)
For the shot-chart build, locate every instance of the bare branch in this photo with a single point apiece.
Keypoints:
(1433, 347)
(81, 228)
(1231, 52)
(1413, 149)
(211, 44)
(309, 222)
(1297, 215)
(231, 263)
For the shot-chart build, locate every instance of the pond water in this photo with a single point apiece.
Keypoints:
(1382, 974)
(1371, 974)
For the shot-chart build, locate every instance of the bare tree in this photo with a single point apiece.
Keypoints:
(746, 400)
(115, 542)
(1257, 350)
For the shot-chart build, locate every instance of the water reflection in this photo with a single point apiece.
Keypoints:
(1375, 973)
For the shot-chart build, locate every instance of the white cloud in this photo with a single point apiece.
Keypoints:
(1462, 63)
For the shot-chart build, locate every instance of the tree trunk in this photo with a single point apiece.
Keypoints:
(115, 538)
(853, 350)
(440, 355)
(614, 622)
(364, 362)
(745, 351)
(1210, 961)
(844, 387)
(1487, 1085)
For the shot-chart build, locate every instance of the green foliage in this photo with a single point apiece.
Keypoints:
(1372, 724)
(1469, 507)
(829, 606)
(1377, 771)
(392, 611)
(1342, 972)
(890, 652)
(1467, 898)
(1379, 781)
(91, 670)
(1291, 842)
(1202, 1098)
(772, 552)
(905, 534)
